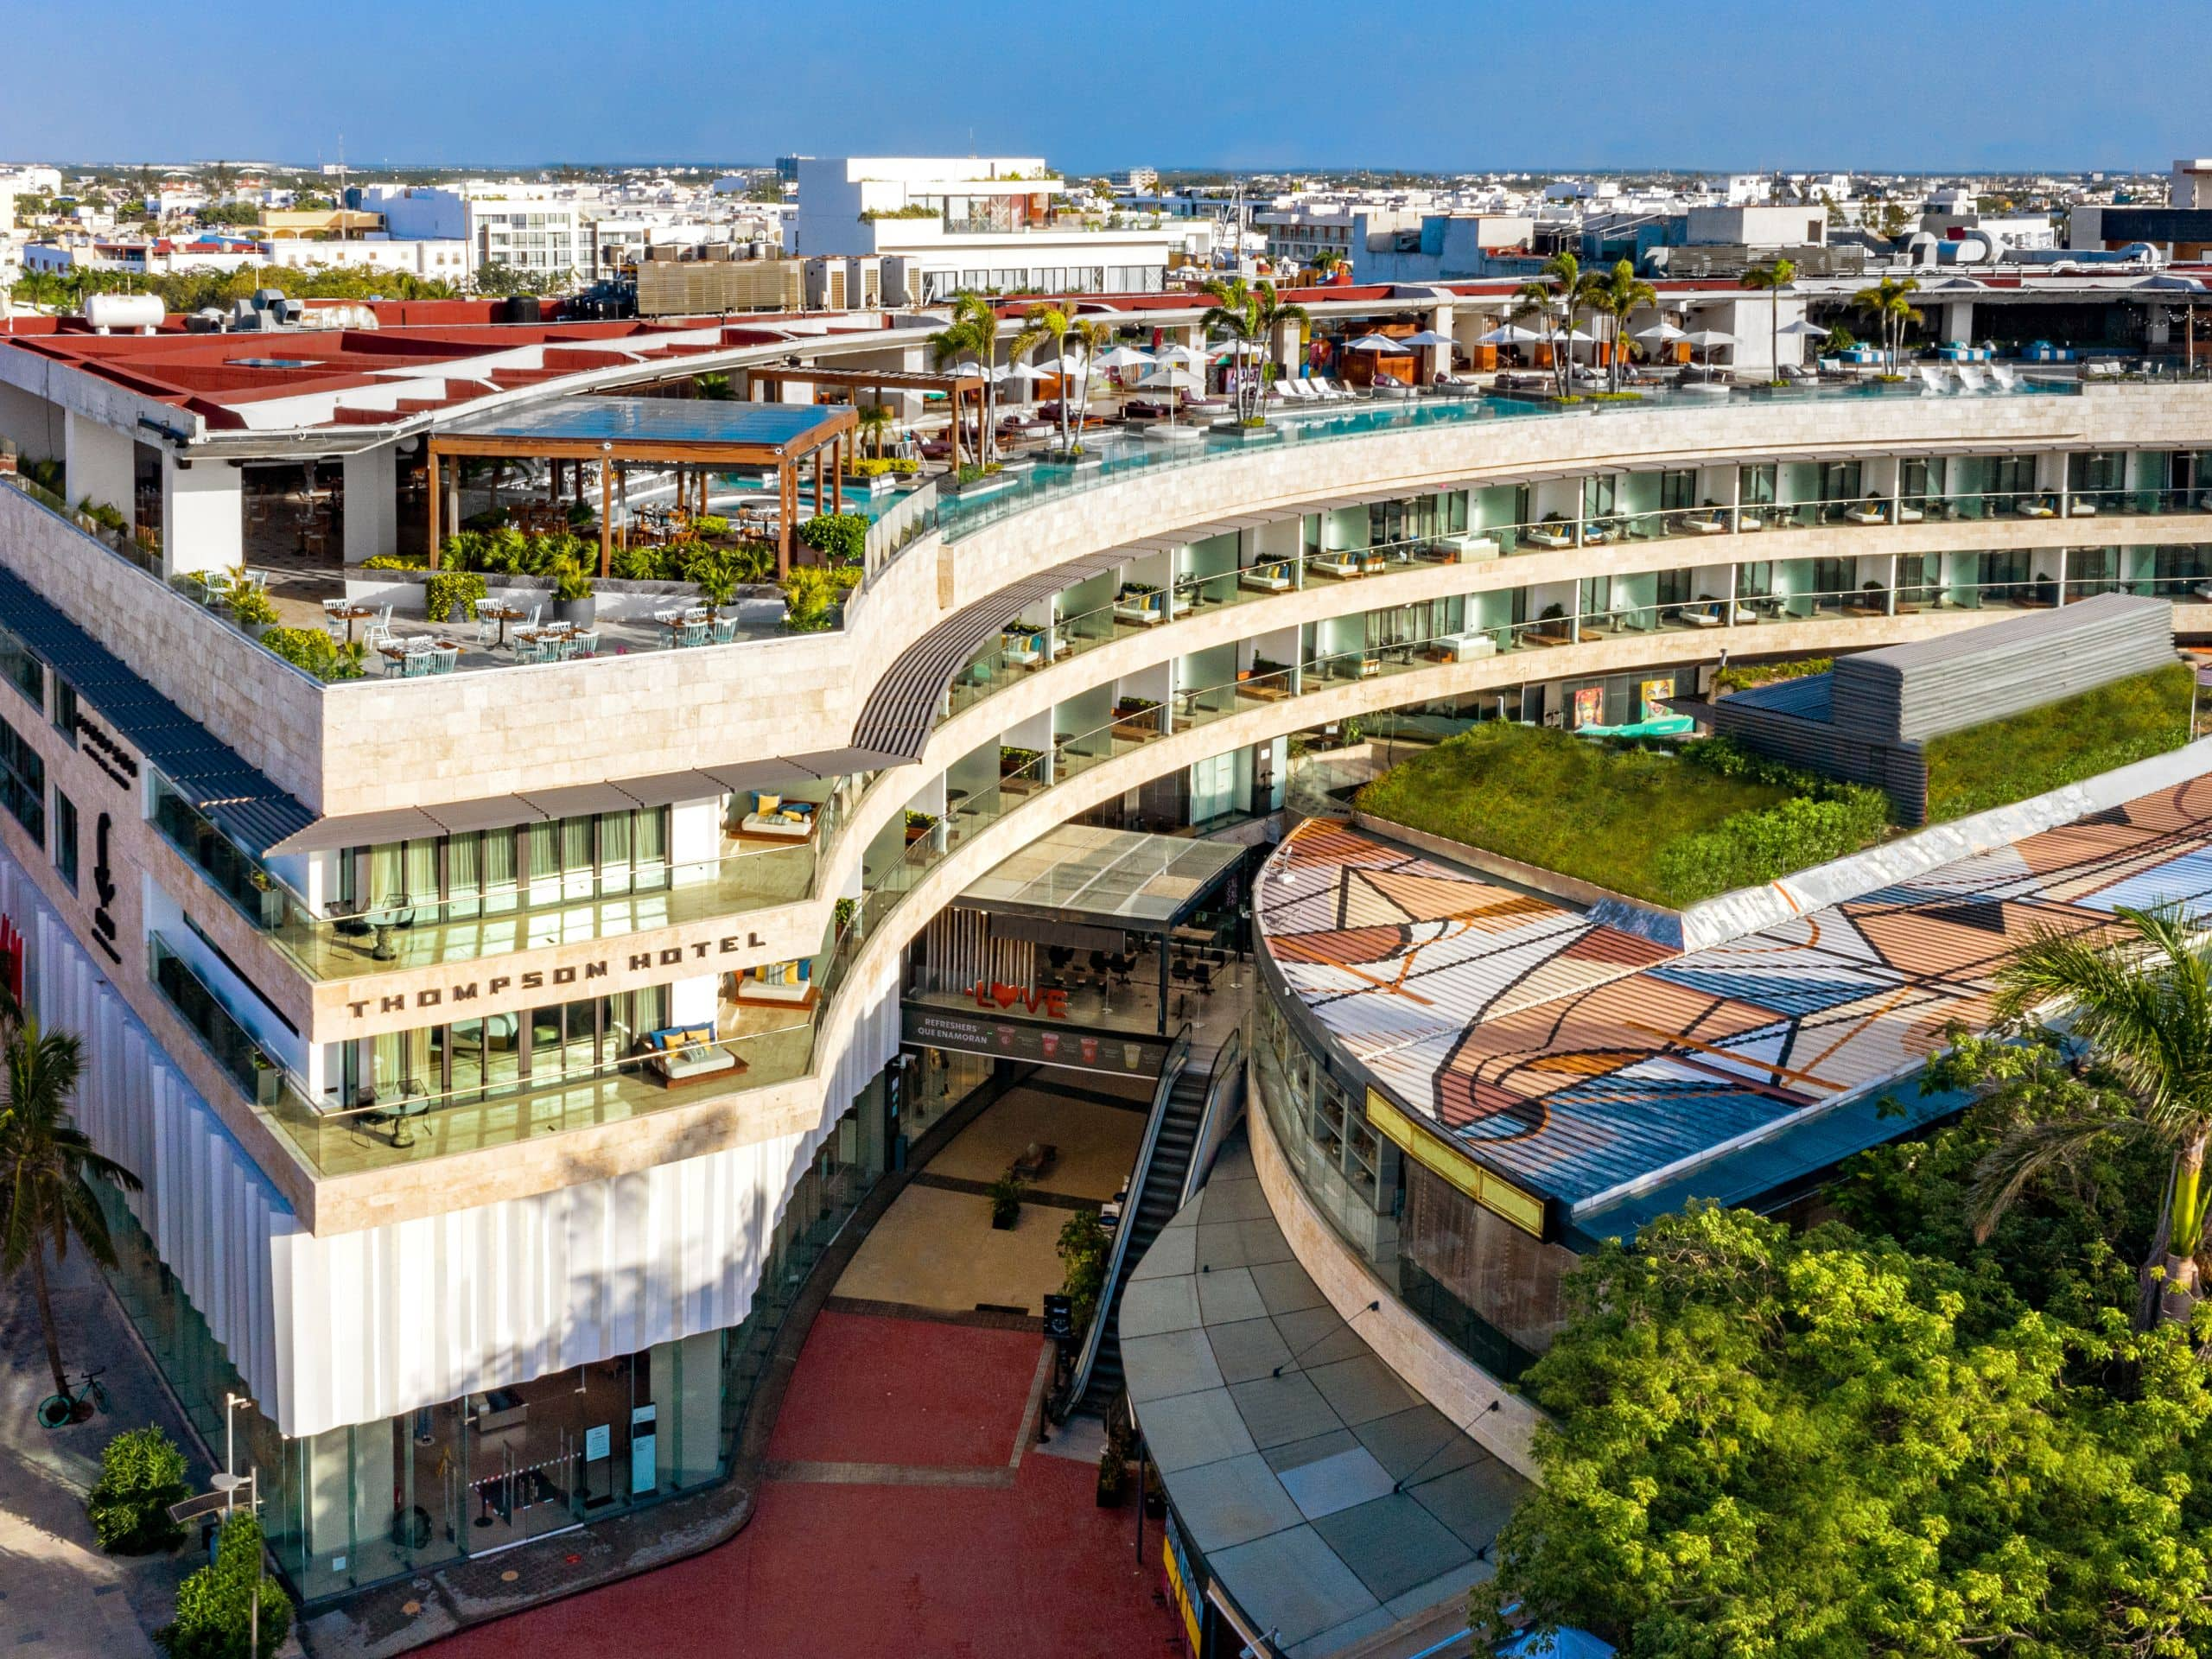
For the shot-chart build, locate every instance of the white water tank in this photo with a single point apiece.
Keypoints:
(108, 312)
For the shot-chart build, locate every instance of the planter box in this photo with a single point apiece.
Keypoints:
(1241, 433)
(582, 612)
(990, 484)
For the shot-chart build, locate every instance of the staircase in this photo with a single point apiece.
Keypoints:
(1151, 1205)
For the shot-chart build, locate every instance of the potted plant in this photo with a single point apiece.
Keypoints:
(919, 824)
(1006, 1203)
(572, 594)
(268, 1079)
(253, 610)
(271, 900)
(1113, 1474)
(451, 595)
(844, 912)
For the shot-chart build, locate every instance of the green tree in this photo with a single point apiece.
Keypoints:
(47, 1167)
(1770, 279)
(142, 1473)
(1560, 287)
(1825, 1446)
(1048, 324)
(215, 1606)
(973, 332)
(1084, 1245)
(873, 421)
(1890, 303)
(1615, 296)
(1233, 313)
(2143, 1004)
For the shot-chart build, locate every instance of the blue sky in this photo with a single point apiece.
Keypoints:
(1424, 84)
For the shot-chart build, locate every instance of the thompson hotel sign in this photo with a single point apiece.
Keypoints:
(440, 1002)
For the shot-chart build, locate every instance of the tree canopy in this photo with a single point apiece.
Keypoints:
(1887, 1435)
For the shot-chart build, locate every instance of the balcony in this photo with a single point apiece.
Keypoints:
(778, 1047)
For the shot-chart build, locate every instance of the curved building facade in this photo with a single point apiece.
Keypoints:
(526, 1027)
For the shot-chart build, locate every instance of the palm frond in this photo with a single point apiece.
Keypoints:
(2027, 1152)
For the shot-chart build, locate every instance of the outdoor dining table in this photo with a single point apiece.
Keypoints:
(504, 614)
(675, 624)
(352, 613)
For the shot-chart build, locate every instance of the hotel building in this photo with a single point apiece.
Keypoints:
(499, 1047)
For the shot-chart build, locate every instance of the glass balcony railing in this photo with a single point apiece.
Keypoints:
(780, 1046)
(963, 513)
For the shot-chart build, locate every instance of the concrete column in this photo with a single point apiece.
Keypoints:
(1958, 322)
(372, 505)
(1286, 350)
(99, 462)
(203, 516)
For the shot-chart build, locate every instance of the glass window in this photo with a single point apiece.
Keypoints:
(21, 668)
(65, 709)
(22, 783)
(65, 838)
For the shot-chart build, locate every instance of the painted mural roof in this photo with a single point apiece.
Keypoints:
(1584, 1061)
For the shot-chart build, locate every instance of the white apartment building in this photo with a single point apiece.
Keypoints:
(946, 224)
(439, 259)
(532, 228)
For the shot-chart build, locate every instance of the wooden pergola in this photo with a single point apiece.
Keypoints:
(705, 435)
(960, 388)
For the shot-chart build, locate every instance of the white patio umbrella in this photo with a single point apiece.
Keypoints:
(1179, 355)
(1510, 333)
(1812, 330)
(1375, 343)
(1579, 337)
(1066, 362)
(1019, 371)
(1706, 339)
(1221, 348)
(1659, 333)
(1126, 357)
(1427, 337)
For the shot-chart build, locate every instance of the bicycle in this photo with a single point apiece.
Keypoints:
(59, 1410)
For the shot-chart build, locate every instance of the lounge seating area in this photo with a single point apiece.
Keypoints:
(686, 1054)
(787, 985)
(772, 818)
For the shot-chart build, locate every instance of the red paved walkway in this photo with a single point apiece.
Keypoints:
(1030, 1569)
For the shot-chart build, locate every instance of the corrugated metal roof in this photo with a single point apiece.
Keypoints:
(1801, 699)
(237, 797)
(1593, 1066)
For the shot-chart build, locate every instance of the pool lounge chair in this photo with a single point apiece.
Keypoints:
(1934, 382)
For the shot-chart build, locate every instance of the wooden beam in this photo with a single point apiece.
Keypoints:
(605, 516)
(837, 473)
(437, 466)
(787, 503)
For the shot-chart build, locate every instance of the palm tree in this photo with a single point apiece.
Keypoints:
(47, 1168)
(1233, 313)
(1617, 294)
(1325, 263)
(1770, 279)
(873, 421)
(1046, 323)
(1269, 314)
(1559, 283)
(2143, 1004)
(1888, 303)
(1092, 337)
(973, 332)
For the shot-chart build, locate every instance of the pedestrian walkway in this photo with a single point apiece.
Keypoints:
(60, 1597)
(904, 1503)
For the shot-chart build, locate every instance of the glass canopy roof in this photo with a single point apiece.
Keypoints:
(1115, 878)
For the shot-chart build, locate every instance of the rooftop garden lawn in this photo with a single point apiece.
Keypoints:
(2061, 743)
(1669, 827)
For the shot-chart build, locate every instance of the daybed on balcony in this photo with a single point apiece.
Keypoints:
(1273, 578)
(1467, 548)
(1711, 522)
(1866, 513)
(1463, 647)
(776, 985)
(1147, 607)
(773, 818)
(1345, 565)
(1551, 536)
(681, 1054)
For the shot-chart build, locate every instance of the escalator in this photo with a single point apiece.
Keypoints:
(1189, 1085)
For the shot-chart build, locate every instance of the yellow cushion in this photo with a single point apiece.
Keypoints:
(768, 805)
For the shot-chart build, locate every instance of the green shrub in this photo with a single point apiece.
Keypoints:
(214, 1607)
(447, 588)
(882, 467)
(569, 582)
(1752, 848)
(1083, 1247)
(251, 606)
(1671, 828)
(395, 562)
(840, 538)
(711, 523)
(311, 649)
(644, 564)
(812, 594)
(142, 1473)
(2027, 754)
(1739, 677)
